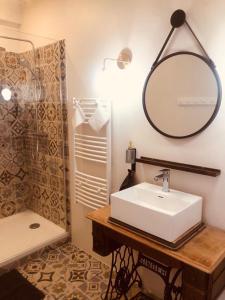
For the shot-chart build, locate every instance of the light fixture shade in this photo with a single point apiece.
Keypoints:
(124, 58)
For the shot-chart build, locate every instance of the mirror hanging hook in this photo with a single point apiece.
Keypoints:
(178, 19)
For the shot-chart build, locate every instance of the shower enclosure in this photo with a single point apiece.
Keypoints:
(34, 205)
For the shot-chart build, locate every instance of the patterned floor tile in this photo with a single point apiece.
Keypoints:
(67, 273)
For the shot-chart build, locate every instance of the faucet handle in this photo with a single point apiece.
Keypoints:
(165, 171)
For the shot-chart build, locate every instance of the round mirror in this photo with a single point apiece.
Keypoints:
(182, 94)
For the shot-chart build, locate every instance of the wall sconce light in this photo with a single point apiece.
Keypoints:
(123, 60)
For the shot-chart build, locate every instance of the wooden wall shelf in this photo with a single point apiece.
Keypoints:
(179, 166)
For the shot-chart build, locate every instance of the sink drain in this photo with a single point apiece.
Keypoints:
(34, 225)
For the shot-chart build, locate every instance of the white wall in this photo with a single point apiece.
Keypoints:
(10, 21)
(11, 11)
(96, 29)
(10, 18)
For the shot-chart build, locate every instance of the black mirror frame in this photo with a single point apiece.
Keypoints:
(211, 65)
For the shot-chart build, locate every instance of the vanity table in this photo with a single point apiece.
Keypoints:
(200, 262)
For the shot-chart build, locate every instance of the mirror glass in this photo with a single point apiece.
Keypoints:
(182, 95)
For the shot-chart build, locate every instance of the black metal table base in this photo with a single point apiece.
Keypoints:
(124, 274)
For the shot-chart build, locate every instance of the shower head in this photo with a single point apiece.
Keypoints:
(25, 63)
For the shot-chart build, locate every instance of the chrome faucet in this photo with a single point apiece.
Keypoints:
(165, 175)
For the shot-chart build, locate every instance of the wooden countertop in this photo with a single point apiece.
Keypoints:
(204, 252)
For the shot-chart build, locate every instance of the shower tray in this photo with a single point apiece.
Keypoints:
(25, 233)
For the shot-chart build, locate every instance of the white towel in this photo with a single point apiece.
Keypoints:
(99, 118)
(79, 116)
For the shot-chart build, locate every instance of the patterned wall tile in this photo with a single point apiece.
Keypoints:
(35, 120)
(49, 166)
(13, 169)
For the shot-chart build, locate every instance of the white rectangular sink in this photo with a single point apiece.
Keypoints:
(167, 215)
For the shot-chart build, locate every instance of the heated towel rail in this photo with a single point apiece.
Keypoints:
(94, 150)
